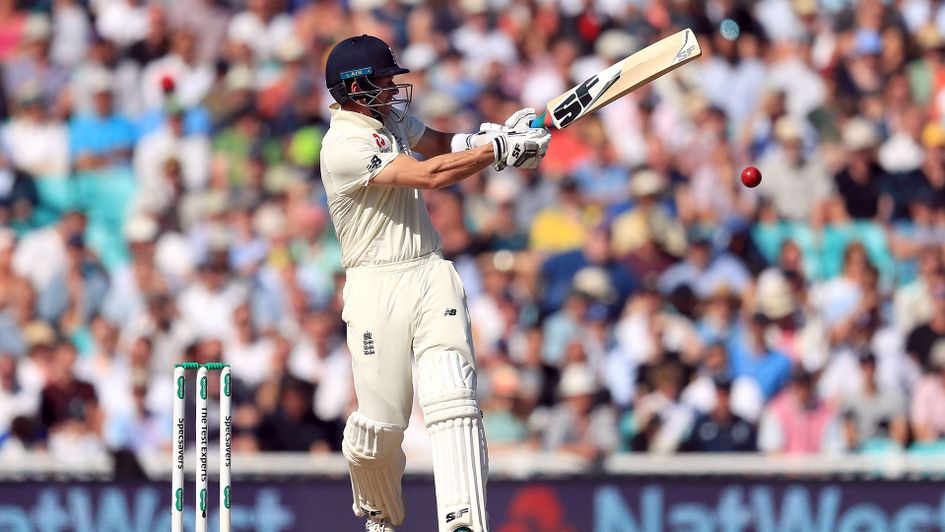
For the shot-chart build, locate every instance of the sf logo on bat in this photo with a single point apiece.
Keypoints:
(583, 96)
(687, 51)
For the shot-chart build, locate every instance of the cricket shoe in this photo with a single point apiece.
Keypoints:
(378, 526)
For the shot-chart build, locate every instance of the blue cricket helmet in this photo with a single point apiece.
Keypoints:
(363, 56)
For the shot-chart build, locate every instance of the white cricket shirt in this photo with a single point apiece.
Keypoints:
(375, 224)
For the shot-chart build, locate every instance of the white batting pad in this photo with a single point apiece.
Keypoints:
(376, 462)
(447, 392)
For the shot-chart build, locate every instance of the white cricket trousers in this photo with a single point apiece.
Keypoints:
(394, 311)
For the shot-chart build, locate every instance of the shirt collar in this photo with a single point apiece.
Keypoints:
(339, 115)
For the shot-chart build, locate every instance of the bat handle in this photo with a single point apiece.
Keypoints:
(540, 120)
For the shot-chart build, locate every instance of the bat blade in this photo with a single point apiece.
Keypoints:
(622, 77)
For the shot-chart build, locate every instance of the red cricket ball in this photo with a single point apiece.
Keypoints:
(751, 177)
(167, 83)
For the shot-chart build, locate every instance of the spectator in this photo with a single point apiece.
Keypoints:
(138, 429)
(703, 271)
(504, 426)
(903, 155)
(750, 356)
(601, 177)
(839, 298)
(261, 27)
(32, 69)
(248, 353)
(123, 22)
(660, 418)
(38, 143)
(720, 430)
(35, 368)
(539, 379)
(560, 269)
(503, 229)
(170, 202)
(489, 325)
(743, 395)
(189, 78)
(171, 141)
(798, 422)
(563, 226)
(103, 139)
(23, 436)
(862, 182)
(204, 18)
(103, 57)
(106, 368)
(240, 145)
(649, 330)
(162, 326)
(207, 306)
(12, 26)
(293, 426)
(131, 283)
(795, 182)
(922, 338)
(15, 401)
(874, 417)
(718, 315)
(66, 400)
(42, 255)
(912, 302)
(928, 399)
(74, 296)
(320, 356)
(155, 43)
(649, 217)
(564, 327)
(17, 299)
(579, 425)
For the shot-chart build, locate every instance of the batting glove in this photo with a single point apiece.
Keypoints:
(521, 149)
(520, 120)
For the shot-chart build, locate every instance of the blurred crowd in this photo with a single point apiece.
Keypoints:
(161, 201)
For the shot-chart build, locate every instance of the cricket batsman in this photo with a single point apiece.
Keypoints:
(401, 298)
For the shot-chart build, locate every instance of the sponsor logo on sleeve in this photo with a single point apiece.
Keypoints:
(374, 163)
(368, 344)
(381, 142)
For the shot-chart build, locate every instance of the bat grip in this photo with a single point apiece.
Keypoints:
(540, 120)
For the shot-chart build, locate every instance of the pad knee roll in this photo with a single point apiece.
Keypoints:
(376, 463)
(447, 393)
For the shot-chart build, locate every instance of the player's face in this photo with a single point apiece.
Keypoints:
(385, 96)
(382, 95)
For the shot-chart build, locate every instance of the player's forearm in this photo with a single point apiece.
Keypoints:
(451, 168)
(434, 143)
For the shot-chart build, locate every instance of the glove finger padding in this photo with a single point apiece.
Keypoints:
(491, 126)
(521, 119)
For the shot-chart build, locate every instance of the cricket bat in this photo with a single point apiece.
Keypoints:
(625, 76)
